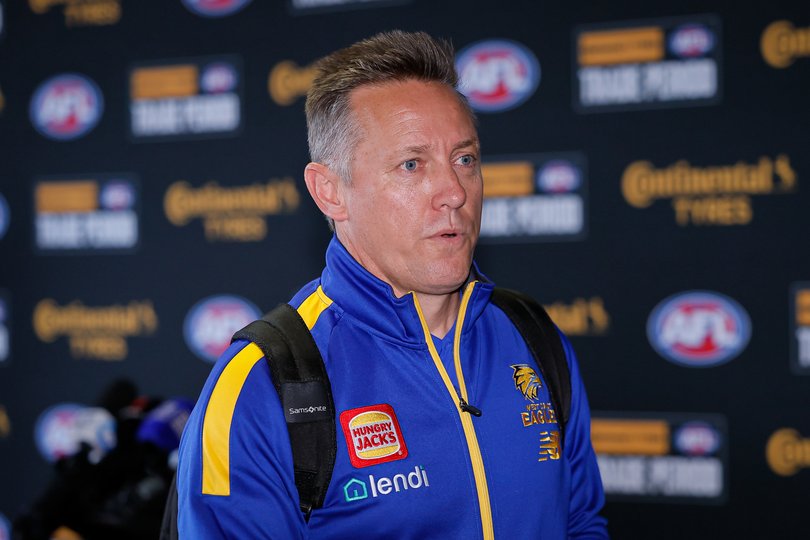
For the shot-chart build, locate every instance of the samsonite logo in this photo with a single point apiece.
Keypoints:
(211, 323)
(699, 329)
(358, 490)
(66, 107)
(373, 435)
(497, 75)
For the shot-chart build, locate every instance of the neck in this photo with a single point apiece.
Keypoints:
(440, 311)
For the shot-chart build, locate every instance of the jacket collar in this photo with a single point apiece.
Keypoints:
(372, 303)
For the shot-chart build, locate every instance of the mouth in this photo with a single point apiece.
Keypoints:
(452, 236)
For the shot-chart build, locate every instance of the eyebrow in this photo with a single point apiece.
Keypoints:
(423, 148)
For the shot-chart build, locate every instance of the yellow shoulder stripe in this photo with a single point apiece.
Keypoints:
(216, 431)
(217, 421)
(315, 304)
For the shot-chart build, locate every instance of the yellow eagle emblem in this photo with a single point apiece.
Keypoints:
(526, 381)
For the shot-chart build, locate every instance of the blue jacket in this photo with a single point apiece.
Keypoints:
(410, 463)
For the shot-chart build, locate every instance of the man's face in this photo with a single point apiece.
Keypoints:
(413, 205)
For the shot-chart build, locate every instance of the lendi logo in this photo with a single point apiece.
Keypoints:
(787, 452)
(713, 195)
(781, 43)
(288, 82)
(82, 12)
(94, 332)
(233, 213)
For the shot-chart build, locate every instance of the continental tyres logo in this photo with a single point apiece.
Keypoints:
(787, 452)
(713, 195)
(288, 82)
(98, 332)
(231, 213)
(581, 316)
(782, 43)
(82, 12)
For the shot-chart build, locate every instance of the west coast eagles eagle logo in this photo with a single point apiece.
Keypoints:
(526, 381)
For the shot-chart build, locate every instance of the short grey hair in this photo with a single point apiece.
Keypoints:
(385, 57)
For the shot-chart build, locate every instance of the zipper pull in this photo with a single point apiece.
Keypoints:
(466, 407)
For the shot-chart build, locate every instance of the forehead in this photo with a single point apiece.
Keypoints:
(411, 109)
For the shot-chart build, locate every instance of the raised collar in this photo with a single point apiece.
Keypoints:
(372, 303)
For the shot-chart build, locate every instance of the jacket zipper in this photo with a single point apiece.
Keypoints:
(463, 408)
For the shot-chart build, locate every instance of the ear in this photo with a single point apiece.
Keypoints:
(326, 189)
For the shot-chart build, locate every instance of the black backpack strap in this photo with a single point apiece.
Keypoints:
(300, 379)
(544, 342)
(168, 527)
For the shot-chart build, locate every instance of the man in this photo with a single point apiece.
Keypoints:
(411, 343)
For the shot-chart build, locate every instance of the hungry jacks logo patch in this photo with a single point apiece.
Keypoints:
(373, 435)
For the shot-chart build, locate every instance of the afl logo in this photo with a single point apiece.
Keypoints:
(699, 329)
(691, 40)
(697, 439)
(62, 429)
(558, 176)
(117, 195)
(497, 75)
(215, 8)
(212, 321)
(66, 107)
(5, 216)
(218, 78)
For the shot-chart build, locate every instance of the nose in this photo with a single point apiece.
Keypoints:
(448, 190)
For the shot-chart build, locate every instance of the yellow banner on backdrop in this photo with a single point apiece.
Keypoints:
(630, 437)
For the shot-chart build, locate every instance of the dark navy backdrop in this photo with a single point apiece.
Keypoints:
(186, 184)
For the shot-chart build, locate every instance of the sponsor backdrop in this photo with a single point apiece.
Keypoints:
(647, 179)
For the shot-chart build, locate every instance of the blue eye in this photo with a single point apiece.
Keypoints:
(410, 165)
(466, 160)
